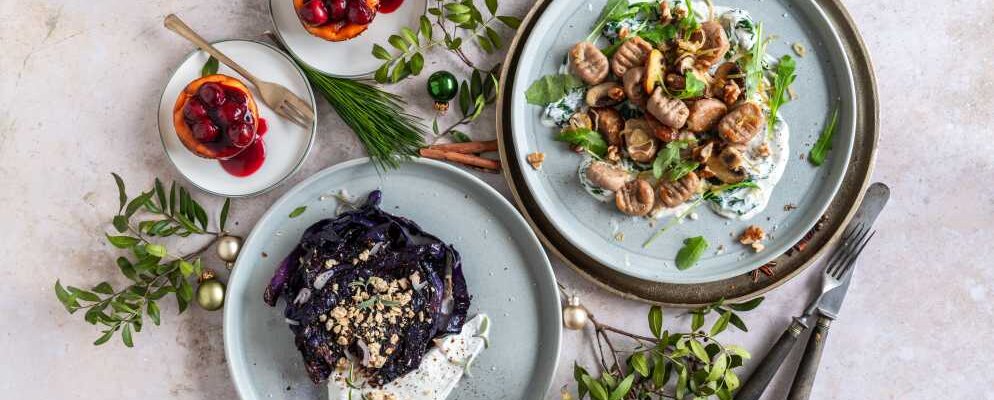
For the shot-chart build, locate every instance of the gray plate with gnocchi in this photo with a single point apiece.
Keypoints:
(673, 142)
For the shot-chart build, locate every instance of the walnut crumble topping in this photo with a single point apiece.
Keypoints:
(753, 236)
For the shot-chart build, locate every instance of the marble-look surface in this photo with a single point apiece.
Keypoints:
(79, 84)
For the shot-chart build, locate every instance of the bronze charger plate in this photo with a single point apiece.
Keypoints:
(740, 287)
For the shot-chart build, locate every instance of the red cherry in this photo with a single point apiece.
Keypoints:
(204, 130)
(313, 13)
(359, 13)
(337, 9)
(241, 135)
(236, 96)
(194, 109)
(230, 112)
(211, 94)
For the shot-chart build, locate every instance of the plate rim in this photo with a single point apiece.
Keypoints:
(228, 318)
(277, 183)
(688, 296)
(847, 94)
(289, 49)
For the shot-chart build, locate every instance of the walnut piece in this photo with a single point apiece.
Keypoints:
(536, 160)
(753, 236)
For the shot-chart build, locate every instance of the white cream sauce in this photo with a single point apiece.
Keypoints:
(436, 377)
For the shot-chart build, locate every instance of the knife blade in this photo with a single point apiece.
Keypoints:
(830, 303)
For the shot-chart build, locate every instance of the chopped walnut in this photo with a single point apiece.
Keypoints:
(613, 154)
(763, 150)
(536, 160)
(753, 236)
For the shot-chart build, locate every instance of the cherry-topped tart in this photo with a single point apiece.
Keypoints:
(336, 20)
(216, 117)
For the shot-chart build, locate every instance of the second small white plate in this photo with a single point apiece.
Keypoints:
(287, 144)
(351, 58)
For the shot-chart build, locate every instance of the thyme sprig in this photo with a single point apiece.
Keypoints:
(668, 364)
(154, 271)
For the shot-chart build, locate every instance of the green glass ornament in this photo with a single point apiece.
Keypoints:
(442, 87)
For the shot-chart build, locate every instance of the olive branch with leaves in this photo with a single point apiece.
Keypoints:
(667, 365)
(153, 271)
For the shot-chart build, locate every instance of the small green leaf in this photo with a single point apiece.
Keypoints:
(123, 242)
(426, 28)
(578, 374)
(824, 143)
(464, 98)
(721, 324)
(136, 203)
(126, 336)
(747, 306)
(491, 6)
(185, 290)
(120, 223)
(398, 42)
(64, 296)
(409, 36)
(476, 83)
(718, 367)
(160, 193)
(623, 388)
(104, 338)
(731, 380)
(157, 250)
(661, 372)
(698, 349)
(399, 72)
(172, 198)
(185, 268)
(83, 294)
(478, 106)
(381, 53)
(639, 363)
(597, 390)
(297, 211)
(692, 250)
(738, 322)
(485, 43)
(224, 214)
(210, 68)
(460, 137)
(455, 43)
(458, 18)
(656, 321)
(126, 268)
(201, 215)
(122, 196)
(382, 73)
(434, 125)
(434, 11)
(416, 64)
(697, 321)
(456, 8)
(153, 312)
(589, 140)
(494, 38)
(103, 288)
(509, 21)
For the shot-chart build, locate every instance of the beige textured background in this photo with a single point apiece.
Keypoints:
(79, 85)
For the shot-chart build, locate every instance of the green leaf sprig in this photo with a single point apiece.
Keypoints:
(781, 83)
(691, 252)
(447, 24)
(587, 139)
(210, 67)
(668, 364)
(153, 271)
(475, 95)
(614, 9)
(820, 150)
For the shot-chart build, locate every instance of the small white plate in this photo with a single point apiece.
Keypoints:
(351, 58)
(287, 145)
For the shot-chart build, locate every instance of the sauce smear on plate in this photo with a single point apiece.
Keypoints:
(389, 6)
(249, 161)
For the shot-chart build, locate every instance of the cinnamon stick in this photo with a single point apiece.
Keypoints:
(467, 147)
(466, 159)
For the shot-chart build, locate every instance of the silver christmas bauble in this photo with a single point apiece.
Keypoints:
(227, 249)
(575, 316)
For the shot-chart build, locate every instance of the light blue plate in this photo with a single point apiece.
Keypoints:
(507, 272)
(824, 81)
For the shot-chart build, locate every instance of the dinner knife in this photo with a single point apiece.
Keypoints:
(828, 307)
(875, 198)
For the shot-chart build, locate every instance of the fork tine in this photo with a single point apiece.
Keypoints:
(291, 108)
(846, 247)
(282, 111)
(851, 260)
(301, 106)
(837, 254)
(299, 119)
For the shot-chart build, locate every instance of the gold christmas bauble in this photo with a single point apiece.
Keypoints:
(227, 249)
(575, 316)
(210, 292)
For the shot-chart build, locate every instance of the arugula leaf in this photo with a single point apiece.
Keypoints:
(551, 88)
(693, 86)
(682, 169)
(614, 9)
(610, 50)
(589, 140)
(754, 66)
(785, 76)
(297, 211)
(824, 143)
(691, 252)
(668, 157)
(714, 193)
(689, 23)
(658, 34)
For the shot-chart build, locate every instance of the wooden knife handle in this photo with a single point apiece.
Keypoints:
(806, 371)
(761, 377)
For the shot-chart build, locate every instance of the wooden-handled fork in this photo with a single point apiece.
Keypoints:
(280, 99)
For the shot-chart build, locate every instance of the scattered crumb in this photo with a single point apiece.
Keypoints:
(803, 156)
(264, 255)
(720, 249)
(763, 150)
(792, 93)
(694, 216)
(789, 207)
(536, 159)
(620, 236)
(799, 49)
(753, 236)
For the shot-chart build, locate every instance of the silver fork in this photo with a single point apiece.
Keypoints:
(280, 99)
(839, 266)
(838, 270)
